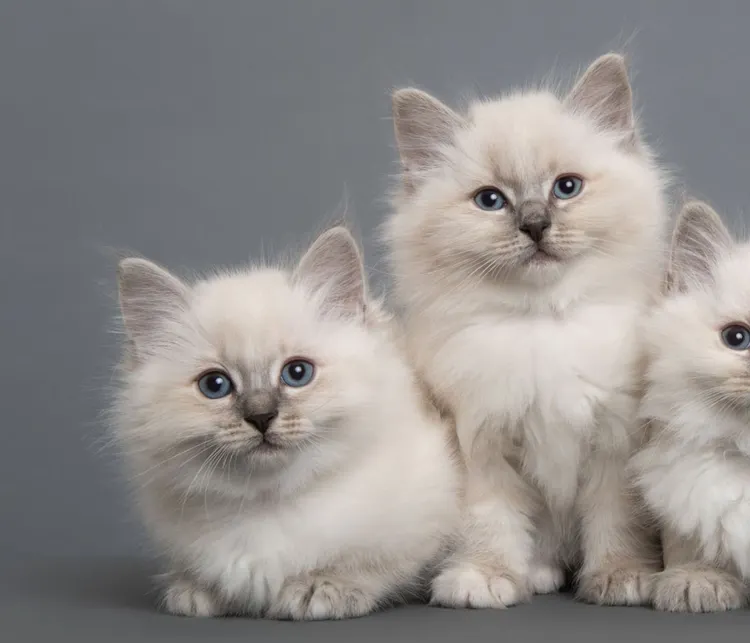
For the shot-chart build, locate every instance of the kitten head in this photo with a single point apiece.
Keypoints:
(699, 338)
(524, 190)
(258, 367)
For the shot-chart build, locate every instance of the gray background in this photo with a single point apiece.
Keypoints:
(199, 133)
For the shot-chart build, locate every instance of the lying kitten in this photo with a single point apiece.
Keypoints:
(526, 243)
(695, 470)
(286, 463)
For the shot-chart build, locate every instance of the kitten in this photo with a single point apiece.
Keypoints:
(526, 242)
(286, 463)
(695, 470)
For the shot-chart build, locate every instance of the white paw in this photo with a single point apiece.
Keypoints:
(186, 599)
(471, 586)
(546, 579)
(697, 589)
(628, 586)
(319, 597)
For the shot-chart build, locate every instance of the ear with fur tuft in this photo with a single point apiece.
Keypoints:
(700, 238)
(148, 295)
(423, 126)
(333, 267)
(604, 94)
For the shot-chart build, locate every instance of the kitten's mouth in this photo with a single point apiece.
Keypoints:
(540, 256)
(267, 446)
(260, 447)
(271, 444)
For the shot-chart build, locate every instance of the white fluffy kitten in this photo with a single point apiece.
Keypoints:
(695, 470)
(285, 461)
(526, 243)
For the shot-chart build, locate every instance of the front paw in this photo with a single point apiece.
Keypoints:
(477, 587)
(697, 589)
(321, 597)
(546, 579)
(185, 598)
(616, 586)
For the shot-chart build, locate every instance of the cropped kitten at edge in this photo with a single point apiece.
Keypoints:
(695, 470)
(526, 242)
(284, 459)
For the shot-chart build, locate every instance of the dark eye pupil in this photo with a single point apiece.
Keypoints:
(297, 371)
(735, 338)
(567, 186)
(214, 383)
(490, 199)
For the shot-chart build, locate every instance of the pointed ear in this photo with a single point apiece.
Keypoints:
(333, 268)
(149, 295)
(700, 238)
(603, 93)
(424, 127)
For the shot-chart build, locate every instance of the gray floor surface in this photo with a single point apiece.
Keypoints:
(110, 600)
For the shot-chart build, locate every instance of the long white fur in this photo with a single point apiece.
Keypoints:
(538, 364)
(695, 471)
(362, 498)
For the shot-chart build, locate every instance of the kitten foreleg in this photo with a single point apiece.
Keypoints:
(491, 567)
(620, 556)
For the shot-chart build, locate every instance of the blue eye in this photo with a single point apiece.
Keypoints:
(568, 186)
(297, 373)
(736, 337)
(490, 199)
(215, 385)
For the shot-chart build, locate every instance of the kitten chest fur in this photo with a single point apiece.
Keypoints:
(535, 386)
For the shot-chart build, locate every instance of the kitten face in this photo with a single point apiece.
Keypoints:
(525, 187)
(261, 366)
(700, 337)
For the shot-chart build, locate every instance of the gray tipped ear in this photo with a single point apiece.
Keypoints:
(148, 296)
(700, 238)
(333, 268)
(603, 93)
(424, 127)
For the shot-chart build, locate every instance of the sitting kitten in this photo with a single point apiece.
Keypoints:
(287, 465)
(695, 470)
(527, 242)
